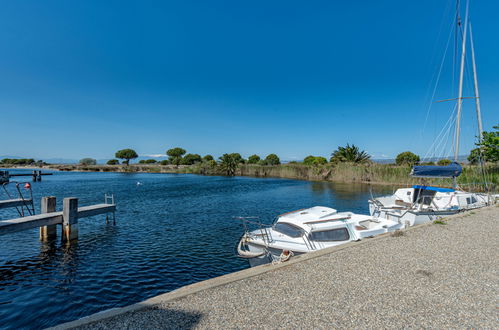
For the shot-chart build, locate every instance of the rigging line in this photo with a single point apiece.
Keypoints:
(440, 136)
(434, 52)
(444, 146)
(449, 121)
(437, 80)
(440, 148)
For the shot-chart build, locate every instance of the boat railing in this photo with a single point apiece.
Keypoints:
(251, 225)
(24, 200)
(309, 243)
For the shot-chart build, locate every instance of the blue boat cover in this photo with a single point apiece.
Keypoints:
(449, 171)
(433, 188)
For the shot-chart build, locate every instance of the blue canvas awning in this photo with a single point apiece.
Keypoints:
(430, 171)
(433, 188)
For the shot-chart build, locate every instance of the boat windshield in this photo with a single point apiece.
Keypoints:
(339, 234)
(288, 229)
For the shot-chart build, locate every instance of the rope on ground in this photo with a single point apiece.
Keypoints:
(285, 256)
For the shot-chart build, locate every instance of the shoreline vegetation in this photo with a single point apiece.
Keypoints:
(347, 164)
(368, 173)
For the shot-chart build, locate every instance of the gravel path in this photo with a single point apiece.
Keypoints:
(433, 276)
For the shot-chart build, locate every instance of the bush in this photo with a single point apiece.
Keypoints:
(444, 162)
(18, 161)
(207, 158)
(272, 159)
(313, 160)
(253, 159)
(113, 162)
(237, 158)
(88, 161)
(191, 159)
(165, 162)
(407, 158)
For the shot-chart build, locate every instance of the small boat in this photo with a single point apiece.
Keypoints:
(420, 204)
(307, 230)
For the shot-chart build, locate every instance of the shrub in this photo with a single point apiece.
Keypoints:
(444, 162)
(191, 159)
(313, 160)
(237, 157)
(18, 161)
(272, 159)
(88, 161)
(165, 162)
(207, 158)
(113, 162)
(253, 159)
(407, 158)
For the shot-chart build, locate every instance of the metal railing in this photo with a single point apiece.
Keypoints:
(27, 201)
(250, 225)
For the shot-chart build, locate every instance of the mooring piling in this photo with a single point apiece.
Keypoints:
(70, 218)
(48, 205)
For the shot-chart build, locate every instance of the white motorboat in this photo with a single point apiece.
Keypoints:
(307, 230)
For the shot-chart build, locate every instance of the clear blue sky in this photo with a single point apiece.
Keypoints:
(86, 78)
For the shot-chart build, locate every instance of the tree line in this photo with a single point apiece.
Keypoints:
(487, 151)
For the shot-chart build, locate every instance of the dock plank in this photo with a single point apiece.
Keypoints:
(54, 218)
(14, 202)
(89, 211)
(30, 222)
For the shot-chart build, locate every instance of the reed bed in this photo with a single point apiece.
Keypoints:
(472, 178)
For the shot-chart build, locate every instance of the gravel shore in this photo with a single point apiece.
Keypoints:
(432, 276)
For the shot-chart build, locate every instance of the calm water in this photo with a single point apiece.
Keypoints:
(170, 231)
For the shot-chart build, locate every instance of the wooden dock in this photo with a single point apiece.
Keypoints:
(49, 217)
(35, 174)
(14, 202)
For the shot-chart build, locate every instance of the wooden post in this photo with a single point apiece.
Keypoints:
(39, 178)
(34, 176)
(70, 218)
(48, 206)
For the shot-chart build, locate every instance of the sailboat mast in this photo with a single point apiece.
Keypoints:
(460, 92)
(477, 95)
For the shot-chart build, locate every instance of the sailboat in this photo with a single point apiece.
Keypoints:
(421, 203)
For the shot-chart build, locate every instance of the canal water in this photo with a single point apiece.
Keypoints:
(171, 230)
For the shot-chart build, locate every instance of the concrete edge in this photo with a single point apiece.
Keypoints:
(233, 277)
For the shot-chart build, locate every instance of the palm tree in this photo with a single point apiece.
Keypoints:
(229, 164)
(350, 154)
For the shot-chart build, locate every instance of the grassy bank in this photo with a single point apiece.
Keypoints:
(472, 179)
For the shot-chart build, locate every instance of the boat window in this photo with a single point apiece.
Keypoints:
(288, 230)
(471, 200)
(340, 234)
(423, 196)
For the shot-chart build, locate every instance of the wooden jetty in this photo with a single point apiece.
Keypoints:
(35, 174)
(50, 218)
(14, 202)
